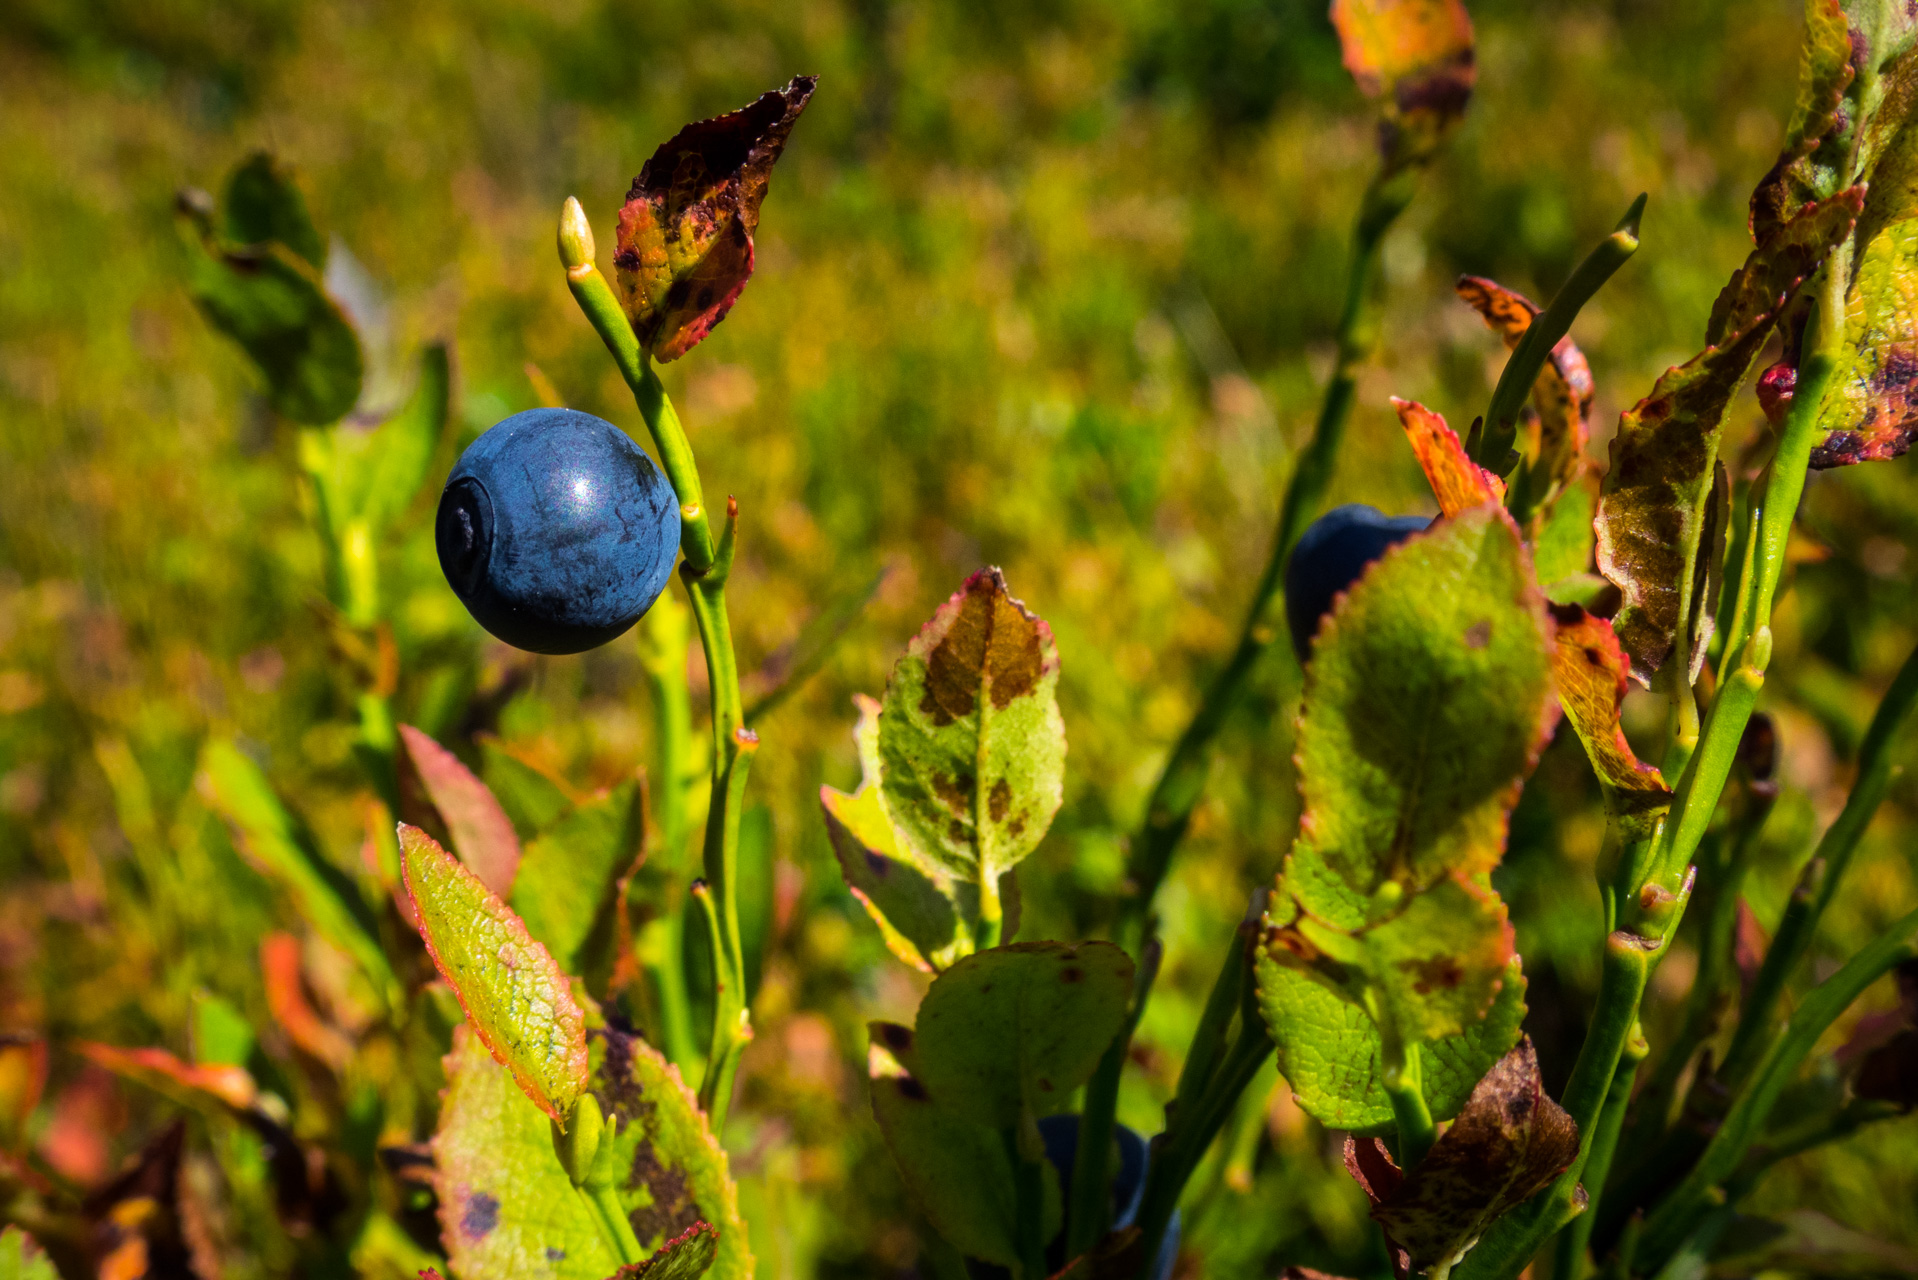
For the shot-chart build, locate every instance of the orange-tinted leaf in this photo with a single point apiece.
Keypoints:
(1457, 481)
(1562, 393)
(286, 999)
(1591, 671)
(182, 1081)
(515, 995)
(1656, 504)
(1509, 1142)
(686, 230)
(483, 835)
(1417, 56)
(23, 1077)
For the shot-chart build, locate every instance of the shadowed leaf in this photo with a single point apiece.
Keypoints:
(374, 475)
(265, 205)
(1561, 395)
(957, 1170)
(531, 798)
(1592, 671)
(1655, 504)
(1456, 480)
(971, 743)
(687, 1256)
(1510, 1141)
(482, 834)
(1015, 1030)
(569, 877)
(508, 1210)
(1561, 532)
(515, 996)
(686, 230)
(1417, 57)
(926, 915)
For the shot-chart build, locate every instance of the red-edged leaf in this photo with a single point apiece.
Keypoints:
(286, 999)
(1591, 671)
(483, 835)
(514, 993)
(687, 1256)
(1562, 393)
(182, 1081)
(1456, 480)
(1825, 73)
(1657, 503)
(686, 229)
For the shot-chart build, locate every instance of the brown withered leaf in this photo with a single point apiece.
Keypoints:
(1562, 393)
(1653, 506)
(1457, 481)
(685, 245)
(1416, 55)
(1509, 1142)
(1591, 673)
(134, 1221)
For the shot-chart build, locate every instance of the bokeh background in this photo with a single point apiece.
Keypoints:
(1049, 284)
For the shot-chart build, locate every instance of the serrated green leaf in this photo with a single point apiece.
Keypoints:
(1425, 706)
(686, 1256)
(1656, 502)
(273, 305)
(281, 847)
(21, 1257)
(509, 1210)
(515, 995)
(1438, 964)
(1330, 1050)
(570, 873)
(927, 916)
(264, 204)
(482, 834)
(971, 743)
(958, 1170)
(1013, 1031)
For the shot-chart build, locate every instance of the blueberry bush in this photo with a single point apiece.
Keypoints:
(1521, 886)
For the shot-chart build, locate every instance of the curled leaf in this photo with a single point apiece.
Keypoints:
(1591, 672)
(1456, 480)
(515, 995)
(686, 230)
(1561, 395)
(1417, 56)
(1508, 1143)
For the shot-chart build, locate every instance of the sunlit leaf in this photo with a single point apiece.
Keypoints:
(569, 876)
(483, 835)
(1013, 1031)
(971, 743)
(927, 916)
(1331, 1053)
(1561, 395)
(687, 1256)
(1457, 482)
(510, 1212)
(280, 846)
(1415, 55)
(686, 229)
(515, 996)
(1561, 532)
(1591, 671)
(22, 1258)
(1508, 1142)
(959, 1171)
(1870, 411)
(1655, 504)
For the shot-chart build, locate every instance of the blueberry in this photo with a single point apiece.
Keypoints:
(1330, 556)
(556, 531)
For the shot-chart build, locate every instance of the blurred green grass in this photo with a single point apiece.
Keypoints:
(1049, 285)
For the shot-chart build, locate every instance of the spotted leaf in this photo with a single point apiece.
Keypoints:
(1457, 482)
(971, 743)
(1417, 57)
(687, 1256)
(1554, 455)
(1591, 672)
(686, 230)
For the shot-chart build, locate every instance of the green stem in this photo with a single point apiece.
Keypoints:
(1404, 1083)
(1574, 1239)
(1029, 1209)
(705, 570)
(1089, 1212)
(1818, 882)
(1494, 446)
(1669, 1224)
(665, 636)
(614, 1226)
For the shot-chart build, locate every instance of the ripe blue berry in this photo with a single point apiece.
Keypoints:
(556, 531)
(1330, 556)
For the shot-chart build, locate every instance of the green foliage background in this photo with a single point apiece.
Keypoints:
(1044, 284)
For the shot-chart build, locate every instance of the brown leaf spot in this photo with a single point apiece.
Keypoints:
(673, 1208)
(999, 801)
(1440, 973)
(1479, 634)
(1072, 974)
(994, 642)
